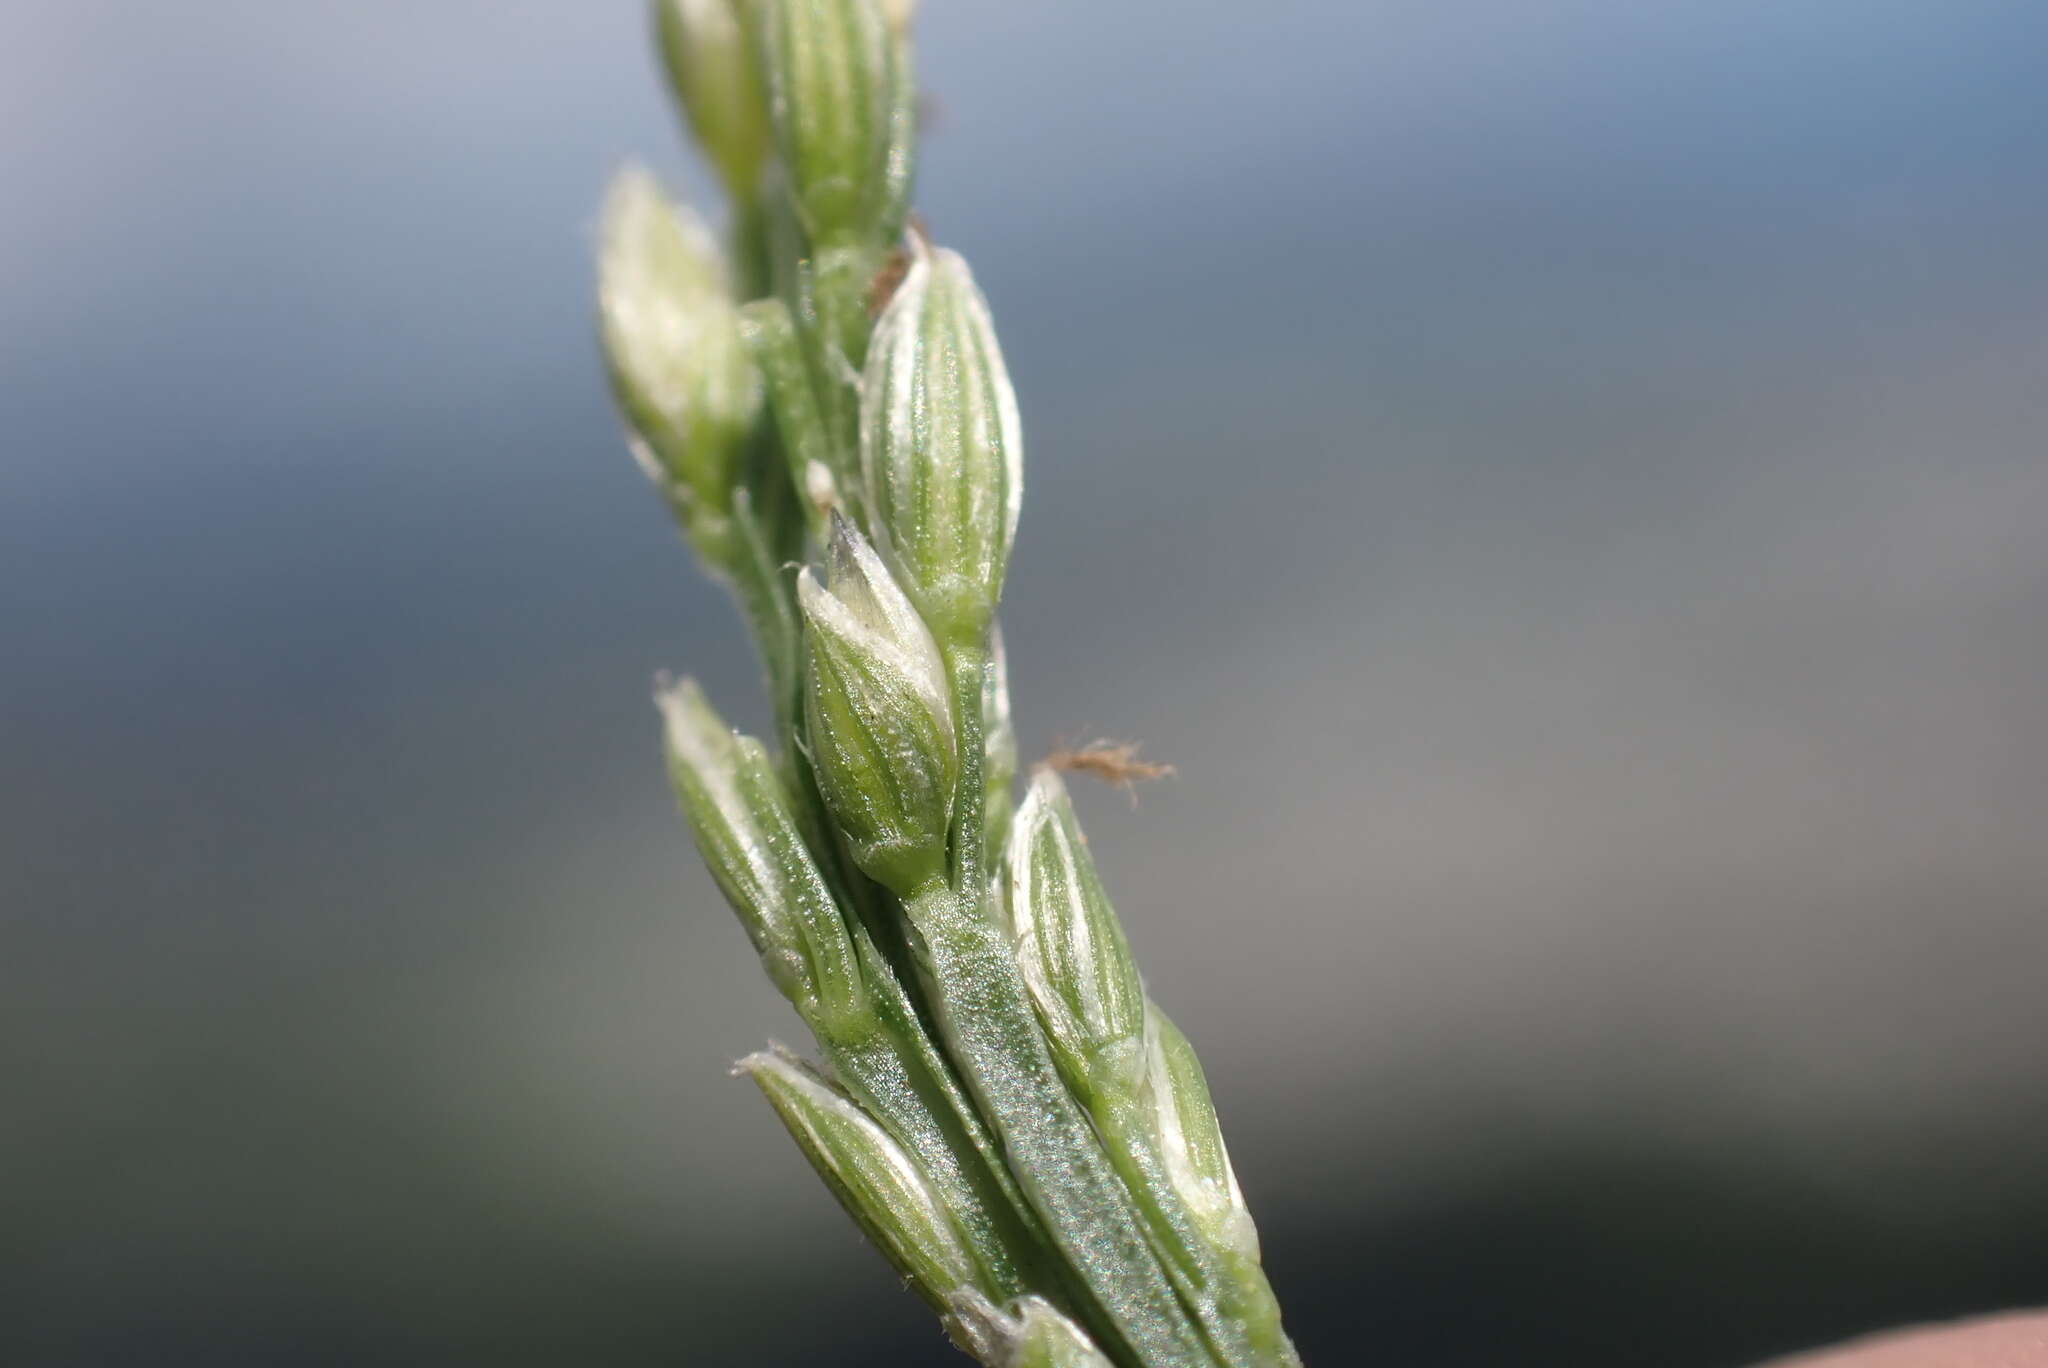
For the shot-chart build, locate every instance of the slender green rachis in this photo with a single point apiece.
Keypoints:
(1000, 1108)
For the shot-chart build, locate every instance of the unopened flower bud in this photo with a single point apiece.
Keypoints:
(838, 101)
(737, 811)
(879, 715)
(1191, 1140)
(705, 50)
(672, 343)
(879, 1183)
(1071, 952)
(941, 446)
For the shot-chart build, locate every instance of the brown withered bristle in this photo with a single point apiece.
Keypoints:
(1115, 763)
(883, 287)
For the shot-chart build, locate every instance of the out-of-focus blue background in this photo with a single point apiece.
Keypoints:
(1565, 482)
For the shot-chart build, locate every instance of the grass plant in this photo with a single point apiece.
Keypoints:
(820, 398)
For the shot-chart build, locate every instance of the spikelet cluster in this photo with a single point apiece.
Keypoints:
(821, 400)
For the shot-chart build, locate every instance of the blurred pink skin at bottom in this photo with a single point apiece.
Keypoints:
(2016, 1340)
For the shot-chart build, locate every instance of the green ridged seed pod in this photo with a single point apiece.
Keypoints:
(1191, 1140)
(672, 345)
(840, 102)
(1071, 950)
(878, 714)
(735, 807)
(941, 446)
(704, 49)
(876, 1180)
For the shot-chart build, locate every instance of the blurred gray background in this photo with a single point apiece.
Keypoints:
(1564, 481)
